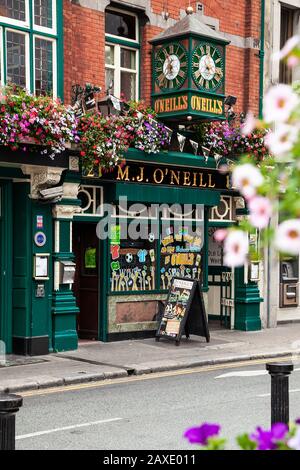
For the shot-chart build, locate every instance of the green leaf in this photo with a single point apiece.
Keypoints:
(245, 442)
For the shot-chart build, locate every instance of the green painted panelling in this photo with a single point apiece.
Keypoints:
(167, 158)
(41, 307)
(22, 254)
(247, 304)
(64, 320)
(20, 266)
(20, 298)
(6, 264)
(161, 195)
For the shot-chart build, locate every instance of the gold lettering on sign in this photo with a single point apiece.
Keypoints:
(141, 175)
(201, 184)
(210, 185)
(123, 175)
(228, 182)
(175, 176)
(186, 178)
(91, 173)
(161, 176)
(169, 105)
(195, 179)
(209, 105)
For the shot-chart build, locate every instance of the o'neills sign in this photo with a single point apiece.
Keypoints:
(189, 103)
(164, 175)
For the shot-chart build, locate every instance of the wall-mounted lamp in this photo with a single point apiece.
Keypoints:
(230, 101)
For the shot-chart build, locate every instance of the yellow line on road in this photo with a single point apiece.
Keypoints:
(150, 376)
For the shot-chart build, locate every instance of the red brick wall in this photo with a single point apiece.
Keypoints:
(84, 46)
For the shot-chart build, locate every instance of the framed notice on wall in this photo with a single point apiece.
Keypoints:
(184, 311)
(41, 266)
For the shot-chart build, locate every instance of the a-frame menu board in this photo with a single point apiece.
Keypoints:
(184, 311)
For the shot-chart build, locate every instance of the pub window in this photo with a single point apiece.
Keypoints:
(181, 250)
(132, 258)
(287, 30)
(28, 45)
(121, 59)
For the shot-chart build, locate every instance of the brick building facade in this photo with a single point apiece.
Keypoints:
(238, 21)
(107, 44)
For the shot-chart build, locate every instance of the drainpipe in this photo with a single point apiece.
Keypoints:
(261, 57)
(261, 94)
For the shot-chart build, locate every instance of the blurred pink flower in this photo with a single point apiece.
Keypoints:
(294, 442)
(246, 178)
(279, 102)
(260, 211)
(236, 247)
(281, 141)
(220, 235)
(289, 46)
(249, 125)
(287, 238)
(293, 61)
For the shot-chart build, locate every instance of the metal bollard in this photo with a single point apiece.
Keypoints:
(279, 391)
(9, 406)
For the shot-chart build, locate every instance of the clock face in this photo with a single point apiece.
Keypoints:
(207, 67)
(171, 66)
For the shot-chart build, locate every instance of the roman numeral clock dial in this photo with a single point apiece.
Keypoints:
(207, 67)
(171, 66)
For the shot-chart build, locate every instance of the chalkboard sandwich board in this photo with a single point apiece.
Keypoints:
(184, 311)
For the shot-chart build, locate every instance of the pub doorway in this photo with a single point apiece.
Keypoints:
(86, 284)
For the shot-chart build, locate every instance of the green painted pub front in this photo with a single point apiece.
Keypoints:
(45, 309)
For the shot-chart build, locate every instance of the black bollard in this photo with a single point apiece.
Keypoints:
(279, 391)
(9, 406)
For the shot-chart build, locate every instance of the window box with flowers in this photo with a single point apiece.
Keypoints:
(106, 139)
(27, 121)
(231, 140)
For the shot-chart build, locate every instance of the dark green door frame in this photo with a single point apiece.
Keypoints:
(103, 284)
(6, 264)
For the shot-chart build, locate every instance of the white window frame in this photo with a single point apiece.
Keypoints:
(43, 29)
(1, 57)
(27, 54)
(128, 13)
(11, 21)
(276, 26)
(54, 62)
(118, 69)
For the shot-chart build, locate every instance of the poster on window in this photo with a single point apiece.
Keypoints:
(180, 252)
(214, 249)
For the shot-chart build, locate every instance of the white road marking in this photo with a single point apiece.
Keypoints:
(66, 428)
(245, 373)
(263, 395)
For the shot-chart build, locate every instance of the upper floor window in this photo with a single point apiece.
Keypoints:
(122, 53)
(288, 22)
(28, 40)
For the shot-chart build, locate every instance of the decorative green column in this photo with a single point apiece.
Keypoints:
(247, 303)
(64, 308)
(246, 293)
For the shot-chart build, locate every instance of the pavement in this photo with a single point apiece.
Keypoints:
(97, 361)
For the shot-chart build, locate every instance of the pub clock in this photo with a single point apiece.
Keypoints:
(188, 75)
(207, 67)
(171, 66)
